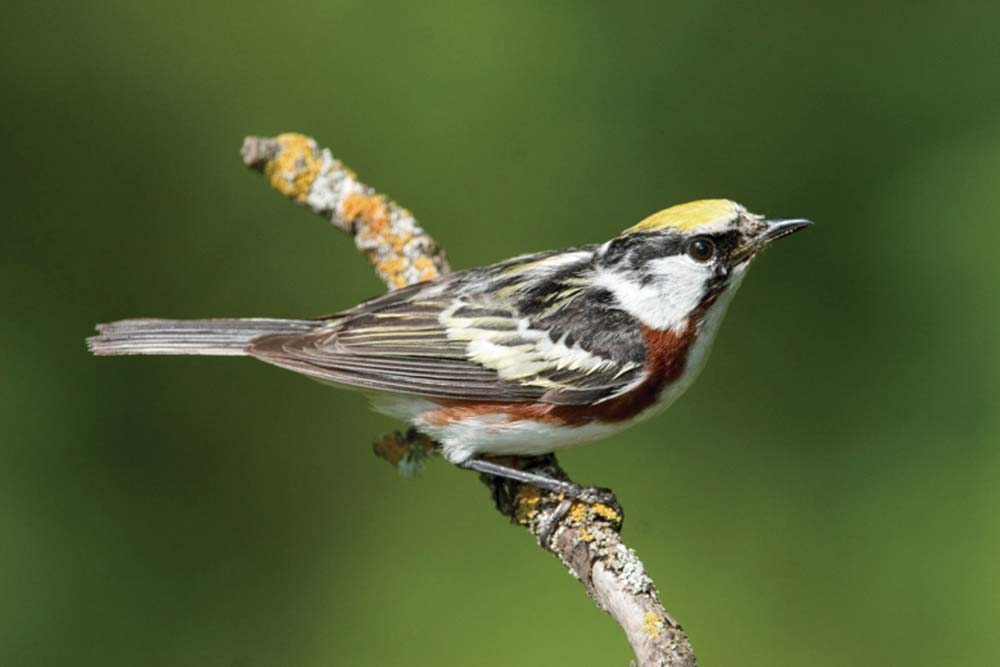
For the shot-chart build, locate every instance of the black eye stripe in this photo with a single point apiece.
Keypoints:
(636, 250)
(727, 242)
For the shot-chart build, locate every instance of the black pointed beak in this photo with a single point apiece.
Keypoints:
(772, 231)
(777, 229)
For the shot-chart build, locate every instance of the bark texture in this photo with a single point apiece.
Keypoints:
(585, 537)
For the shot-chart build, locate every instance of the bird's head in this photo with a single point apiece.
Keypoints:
(685, 259)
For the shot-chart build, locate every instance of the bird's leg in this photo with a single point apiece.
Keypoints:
(541, 481)
(590, 495)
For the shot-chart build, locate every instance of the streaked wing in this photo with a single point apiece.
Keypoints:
(456, 339)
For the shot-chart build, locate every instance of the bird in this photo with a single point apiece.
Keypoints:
(522, 357)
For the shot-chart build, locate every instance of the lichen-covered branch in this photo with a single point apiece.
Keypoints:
(388, 234)
(585, 537)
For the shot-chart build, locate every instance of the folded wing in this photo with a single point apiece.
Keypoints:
(447, 341)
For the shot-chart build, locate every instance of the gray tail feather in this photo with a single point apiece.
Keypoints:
(210, 337)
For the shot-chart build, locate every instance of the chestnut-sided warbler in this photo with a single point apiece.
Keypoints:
(523, 357)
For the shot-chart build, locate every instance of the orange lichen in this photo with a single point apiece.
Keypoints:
(294, 170)
(392, 266)
(370, 210)
(425, 265)
(578, 512)
(370, 215)
(602, 510)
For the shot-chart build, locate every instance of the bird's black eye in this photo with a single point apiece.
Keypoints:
(701, 249)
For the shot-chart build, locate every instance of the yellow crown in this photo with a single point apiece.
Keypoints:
(694, 215)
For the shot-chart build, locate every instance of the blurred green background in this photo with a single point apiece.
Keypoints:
(826, 494)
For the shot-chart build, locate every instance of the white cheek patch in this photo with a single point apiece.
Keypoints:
(665, 302)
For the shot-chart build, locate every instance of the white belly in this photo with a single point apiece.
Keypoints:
(499, 435)
(491, 434)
